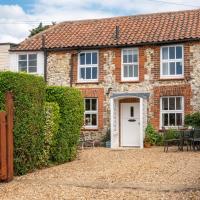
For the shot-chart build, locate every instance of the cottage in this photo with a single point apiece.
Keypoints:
(131, 70)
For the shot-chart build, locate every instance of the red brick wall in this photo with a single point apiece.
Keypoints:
(99, 94)
(158, 92)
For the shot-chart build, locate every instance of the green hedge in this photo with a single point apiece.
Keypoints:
(71, 111)
(193, 119)
(29, 98)
(52, 120)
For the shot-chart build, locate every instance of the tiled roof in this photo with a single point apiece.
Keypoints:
(133, 30)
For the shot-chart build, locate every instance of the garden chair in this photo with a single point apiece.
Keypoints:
(86, 140)
(186, 138)
(171, 138)
(195, 139)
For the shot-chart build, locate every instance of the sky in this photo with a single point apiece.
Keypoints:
(18, 17)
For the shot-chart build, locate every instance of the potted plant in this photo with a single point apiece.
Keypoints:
(147, 143)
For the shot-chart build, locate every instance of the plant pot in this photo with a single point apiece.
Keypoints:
(147, 145)
(108, 144)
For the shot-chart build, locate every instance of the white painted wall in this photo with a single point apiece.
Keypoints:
(4, 57)
(14, 61)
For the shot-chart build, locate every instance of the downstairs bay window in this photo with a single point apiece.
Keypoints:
(172, 111)
(91, 113)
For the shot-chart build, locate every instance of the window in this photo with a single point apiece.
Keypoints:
(91, 112)
(88, 66)
(130, 64)
(172, 64)
(27, 63)
(172, 111)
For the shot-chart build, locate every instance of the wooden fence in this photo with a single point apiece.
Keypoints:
(6, 140)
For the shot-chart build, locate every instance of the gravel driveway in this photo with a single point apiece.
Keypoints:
(101, 173)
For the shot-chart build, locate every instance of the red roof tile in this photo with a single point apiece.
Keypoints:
(133, 30)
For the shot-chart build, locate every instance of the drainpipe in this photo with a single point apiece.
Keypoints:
(45, 58)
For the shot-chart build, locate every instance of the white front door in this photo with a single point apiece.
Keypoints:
(130, 124)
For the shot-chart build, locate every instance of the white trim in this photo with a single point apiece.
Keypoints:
(91, 112)
(133, 63)
(182, 111)
(84, 66)
(171, 60)
(141, 124)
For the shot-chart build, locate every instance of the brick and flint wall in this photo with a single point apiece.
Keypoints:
(60, 65)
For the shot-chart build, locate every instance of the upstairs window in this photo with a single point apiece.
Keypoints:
(172, 64)
(130, 64)
(88, 66)
(27, 63)
(172, 111)
(91, 112)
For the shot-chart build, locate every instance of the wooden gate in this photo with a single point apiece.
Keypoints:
(6, 140)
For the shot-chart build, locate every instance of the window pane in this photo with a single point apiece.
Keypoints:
(124, 58)
(165, 103)
(32, 63)
(32, 69)
(130, 57)
(87, 104)
(32, 57)
(94, 104)
(135, 58)
(23, 57)
(172, 68)
(178, 103)
(22, 64)
(172, 119)
(172, 103)
(172, 52)
(88, 73)
(82, 58)
(135, 70)
(165, 53)
(165, 119)
(130, 70)
(88, 121)
(179, 68)
(94, 119)
(88, 58)
(94, 73)
(94, 58)
(165, 68)
(179, 121)
(125, 70)
(178, 52)
(82, 73)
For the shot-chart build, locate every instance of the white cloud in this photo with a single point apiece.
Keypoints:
(15, 22)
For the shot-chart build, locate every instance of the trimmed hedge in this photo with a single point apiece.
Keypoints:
(70, 102)
(29, 98)
(193, 119)
(52, 120)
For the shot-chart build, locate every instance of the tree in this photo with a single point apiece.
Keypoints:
(39, 29)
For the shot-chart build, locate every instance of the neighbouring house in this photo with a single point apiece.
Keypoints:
(131, 70)
(4, 56)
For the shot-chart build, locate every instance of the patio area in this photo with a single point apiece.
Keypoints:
(101, 173)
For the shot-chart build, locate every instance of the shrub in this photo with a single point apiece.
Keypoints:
(52, 120)
(152, 136)
(29, 96)
(193, 119)
(71, 111)
(171, 134)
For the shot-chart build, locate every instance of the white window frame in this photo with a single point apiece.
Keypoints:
(133, 63)
(91, 112)
(27, 54)
(171, 111)
(89, 65)
(175, 76)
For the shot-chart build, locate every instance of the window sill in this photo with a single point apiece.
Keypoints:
(129, 81)
(172, 78)
(84, 82)
(89, 129)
